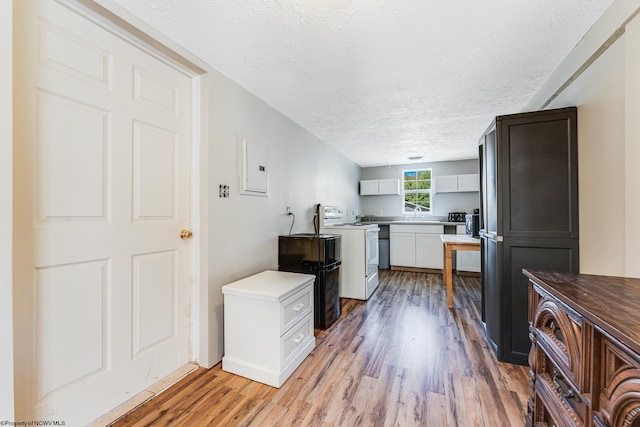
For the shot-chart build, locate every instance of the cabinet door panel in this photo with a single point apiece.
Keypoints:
(369, 187)
(402, 249)
(428, 251)
(468, 261)
(492, 254)
(470, 182)
(389, 186)
(533, 255)
(491, 190)
(539, 177)
(446, 183)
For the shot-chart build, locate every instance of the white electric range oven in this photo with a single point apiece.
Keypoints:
(359, 270)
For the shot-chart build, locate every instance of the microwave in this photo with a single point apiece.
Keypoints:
(473, 225)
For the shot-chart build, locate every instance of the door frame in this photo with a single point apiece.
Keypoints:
(6, 209)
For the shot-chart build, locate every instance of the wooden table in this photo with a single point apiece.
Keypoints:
(454, 242)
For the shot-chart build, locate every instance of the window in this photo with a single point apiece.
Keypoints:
(416, 185)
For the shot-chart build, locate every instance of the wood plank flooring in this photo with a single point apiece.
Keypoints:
(400, 359)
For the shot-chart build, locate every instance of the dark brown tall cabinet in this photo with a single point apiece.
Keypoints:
(528, 217)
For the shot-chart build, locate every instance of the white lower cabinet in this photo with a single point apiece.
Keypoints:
(402, 249)
(416, 245)
(467, 260)
(268, 325)
(429, 251)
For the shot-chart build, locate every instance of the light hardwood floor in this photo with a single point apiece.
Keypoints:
(400, 359)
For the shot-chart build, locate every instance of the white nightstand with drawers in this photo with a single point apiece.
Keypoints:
(268, 325)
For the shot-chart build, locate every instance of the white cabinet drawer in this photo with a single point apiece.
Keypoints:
(295, 308)
(417, 228)
(293, 341)
(372, 283)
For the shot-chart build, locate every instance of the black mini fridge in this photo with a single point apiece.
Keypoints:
(317, 254)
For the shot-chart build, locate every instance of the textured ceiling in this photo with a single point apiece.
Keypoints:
(382, 80)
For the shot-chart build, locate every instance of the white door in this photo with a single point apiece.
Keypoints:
(102, 282)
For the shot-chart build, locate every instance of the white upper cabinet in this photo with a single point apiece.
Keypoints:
(469, 182)
(457, 183)
(375, 187)
(446, 184)
(389, 186)
(368, 187)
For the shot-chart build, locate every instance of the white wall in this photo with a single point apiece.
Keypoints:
(6, 304)
(607, 96)
(632, 148)
(443, 203)
(243, 230)
(599, 95)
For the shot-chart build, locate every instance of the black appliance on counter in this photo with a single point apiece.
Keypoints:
(473, 223)
(317, 254)
(456, 216)
(528, 217)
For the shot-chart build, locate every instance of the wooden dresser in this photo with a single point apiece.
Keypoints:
(585, 353)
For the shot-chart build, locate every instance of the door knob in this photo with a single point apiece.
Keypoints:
(186, 234)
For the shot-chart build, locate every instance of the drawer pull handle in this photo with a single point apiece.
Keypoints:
(563, 388)
(298, 307)
(298, 338)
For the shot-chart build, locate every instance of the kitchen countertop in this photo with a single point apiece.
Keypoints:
(459, 239)
(412, 222)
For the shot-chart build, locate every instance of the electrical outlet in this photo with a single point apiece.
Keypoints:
(288, 210)
(379, 211)
(223, 190)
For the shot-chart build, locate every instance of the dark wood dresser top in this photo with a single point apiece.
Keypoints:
(611, 303)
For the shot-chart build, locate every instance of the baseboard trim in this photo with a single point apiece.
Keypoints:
(416, 269)
(145, 395)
